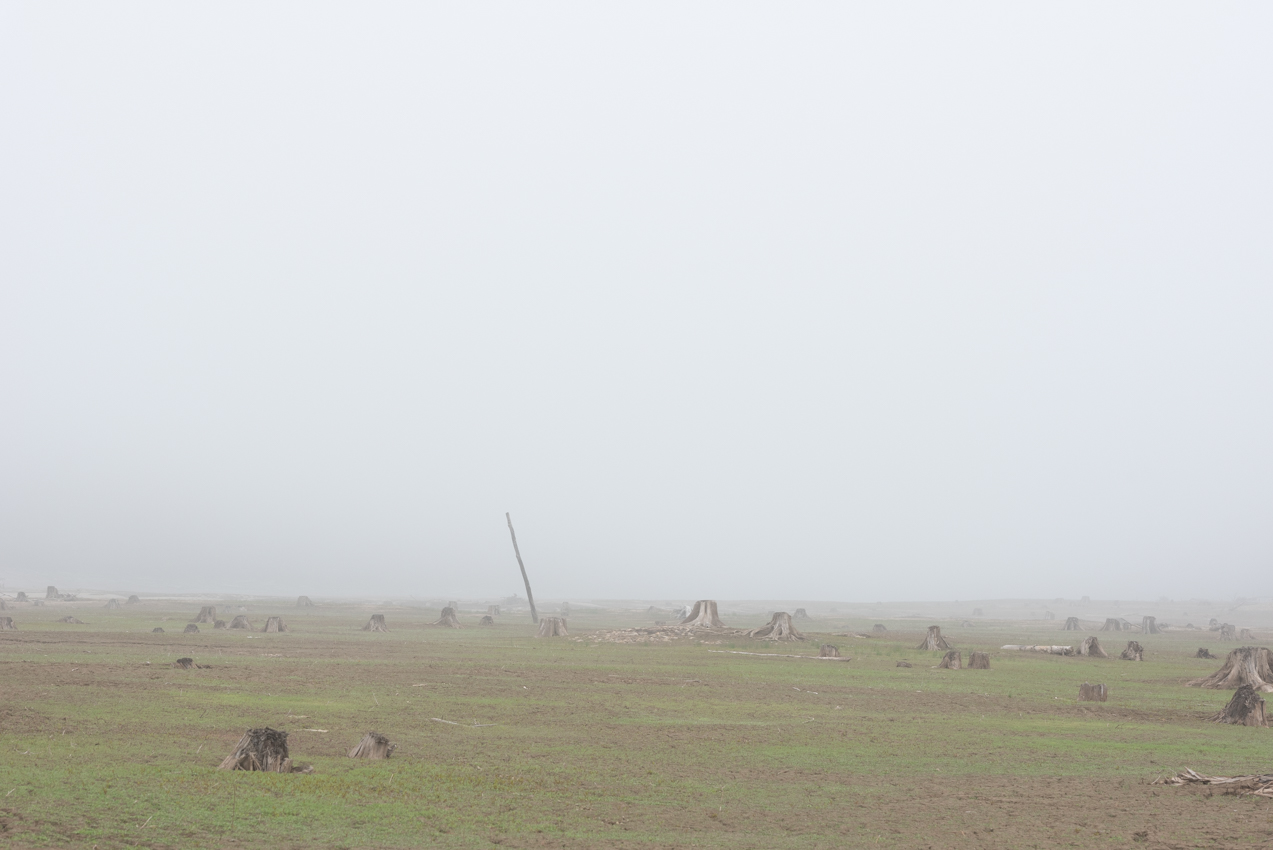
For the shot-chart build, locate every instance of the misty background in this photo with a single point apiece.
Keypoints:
(870, 301)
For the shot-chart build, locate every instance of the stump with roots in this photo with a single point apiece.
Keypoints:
(951, 661)
(376, 624)
(6, 625)
(448, 619)
(241, 622)
(207, 614)
(552, 627)
(304, 602)
(1203, 652)
(904, 664)
(1228, 632)
(75, 621)
(1092, 647)
(1133, 652)
(492, 610)
(933, 640)
(112, 604)
(191, 629)
(1245, 709)
(133, 600)
(1149, 626)
(979, 661)
(260, 749)
(220, 624)
(487, 620)
(879, 628)
(779, 627)
(800, 614)
(828, 650)
(184, 663)
(51, 593)
(703, 615)
(157, 630)
(1246, 665)
(22, 596)
(1245, 634)
(373, 746)
(1093, 693)
(274, 625)
(1072, 625)
(1112, 624)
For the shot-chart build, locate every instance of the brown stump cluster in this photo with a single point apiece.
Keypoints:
(879, 628)
(487, 620)
(448, 619)
(207, 614)
(933, 640)
(552, 627)
(274, 625)
(1133, 652)
(304, 602)
(373, 746)
(260, 749)
(191, 629)
(6, 625)
(1246, 665)
(1091, 646)
(779, 627)
(1093, 693)
(951, 661)
(704, 615)
(979, 661)
(376, 624)
(828, 650)
(1246, 708)
(1203, 652)
(241, 622)
(1072, 625)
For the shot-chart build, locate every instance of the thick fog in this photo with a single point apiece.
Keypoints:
(856, 302)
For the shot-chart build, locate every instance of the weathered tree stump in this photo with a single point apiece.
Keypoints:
(1246, 665)
(220, 624)
(979, 661)
(1246, 708)
(241, 622)
(1048, 615)
(1245, 634)
(112, 604)
(260, 749)
(51, 593)
(1228, 632)
(933, 640)
(304, 602)
(703, 615)
(1203, 652)
(448, 619)
(373, 746)
(274, 625)
(800, 614)
(184, 663)
(133, 600)
(879, 628)
(6, 625)
(191, 629)
(1112, 624)
(779, 627)
(376, 624)
(1072, 625)
(207, 614)
(1133, 652)
(1149, 626)
(157, 630)
(75, 621)
(1093, 693)
(552, 627)
(828, 650)
(492, 610)
(904, 664)
(487, 620)
(952, 660)
(1092, 647)
(22, 596)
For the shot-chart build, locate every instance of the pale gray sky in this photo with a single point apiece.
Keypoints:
(853, 301)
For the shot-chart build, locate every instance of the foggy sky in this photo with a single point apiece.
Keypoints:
(842, 301)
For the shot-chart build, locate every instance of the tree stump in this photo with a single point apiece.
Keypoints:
(1093, 693)
(1048, 615)
(1214, 623)
(75, 621)
(703, 615)
(373, 746)
(979, 661)
(1228, 632)
(951, 661)
(112, 604)
(800, 614)
(273, 625)
(966, 624)
(779, 627)
(1133, 652)
(1246, 708)
(1203, 652)
(376, 624)
(260, 749)
(51, 593)
(22, 596)
(552, 627)
(3, 607)
(1091, 646)
(1245, 634)
(207, 614)
(879, 628)
(240, 622)
(133, 600)
(1112, 624)
(184, 663)
(1072, 625)
(6, 625)
(220, 624)
(304, 602)
(487, 620)
(191, 629)
(1149, 626)
(977, 612)
(492, 610)
(933, 640)
(828, 650)
(1246, 665)
(157, 630)
(904, 664)
(448, 619)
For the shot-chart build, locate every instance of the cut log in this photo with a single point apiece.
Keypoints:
(207, 614)
(703, 615)
(552, 627)
(951, 661)
(879, 628)
(487, 620)
(1245, 634)
(274, 625)
(1112, 624)
(1246, 665)
(904, 664)
(779, 627)
(1203, 652)
(376, 624)
(304, 602)
(75, 621)
(220, 624)
(1091, 646)
(133, 600)
(158, 630)
(1246, 708)
(241, 622)
(979, 661)
(373, 746)
(800, 614)
(1052, 650)
(828, 650)
(1133, 652)
(184, 663)
(1149, 626)
(1093, 693)
(260, 749)
(933, 640)
(51, 593)
(112, 604)
(1072, 625)
(6, 625)
(191, 629)
(1228, 632)
(448, 619)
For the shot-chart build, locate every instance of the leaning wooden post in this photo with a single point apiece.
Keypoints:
(530, 597)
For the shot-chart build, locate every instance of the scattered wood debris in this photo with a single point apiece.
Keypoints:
(1260, 785)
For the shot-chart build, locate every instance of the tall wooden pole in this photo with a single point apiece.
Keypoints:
(530, 597)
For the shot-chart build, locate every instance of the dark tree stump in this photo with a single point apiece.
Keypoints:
(828, 650)
(304, 602)
(157, 630)
(260, 749)
(951, 661)
(1149, 626)
(1133, 652)
(879, 628)
(274, 625)
(133, 600)
(6, 625)
(1203, 652)
(448, 619)
(1093, 693)
(1228, 632)
(979, 661)
(220, 624)
(241, 622)
(487, 620)
(1112, 624)
(191, 629)
(184, 663)
(904, 664)
(1246, 708)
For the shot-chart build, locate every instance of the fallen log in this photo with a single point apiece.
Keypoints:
(783, 655)
(1053, 650)
(1260, 785)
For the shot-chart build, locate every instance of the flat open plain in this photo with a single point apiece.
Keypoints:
(575, 742)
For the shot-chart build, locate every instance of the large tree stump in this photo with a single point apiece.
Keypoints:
(133, 600)
(1091, 646)
(448, 619)
(1072, 625)
(274, 625)
(1203, 652)
(800, 614)
(241, 622)
(376, 624)
(373, 746)
(828, 650)
(1133, 652)
(191, 629)
(979, 661)
(207, 614)
(6, 625)
(304, 602)
(779, 627)
(552, 627)
(1093, 693)
(951, 661)
(703, 615)
(1246, 665)
(487, 620)
(1228, 632)
(1112, 624)
(879, 628)
(1245, 709)
(933, 640)
(260, 749)
(1149, 626)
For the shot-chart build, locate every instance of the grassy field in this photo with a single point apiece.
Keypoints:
(586, 743)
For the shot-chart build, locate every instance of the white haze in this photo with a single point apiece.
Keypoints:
(839, 301)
